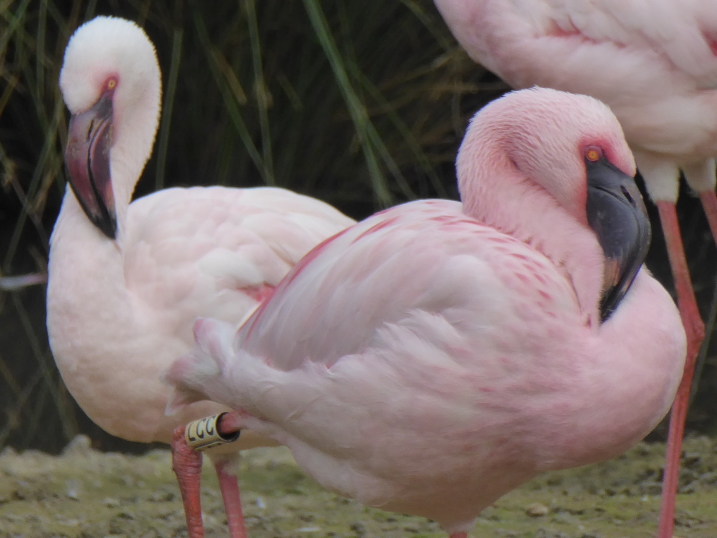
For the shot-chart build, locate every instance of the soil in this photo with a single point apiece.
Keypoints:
(84, 493)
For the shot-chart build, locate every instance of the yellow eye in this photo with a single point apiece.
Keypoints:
(593, 154)
(111, 83)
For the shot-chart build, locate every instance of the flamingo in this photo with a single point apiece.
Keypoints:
(127, 280)
(437, 355)
(655, 65)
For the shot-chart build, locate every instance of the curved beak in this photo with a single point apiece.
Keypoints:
(87, 158)
(617, 214)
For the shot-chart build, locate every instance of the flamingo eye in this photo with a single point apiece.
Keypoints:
(111, 84)
(593, 154)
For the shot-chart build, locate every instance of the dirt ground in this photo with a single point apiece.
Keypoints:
(85, 494)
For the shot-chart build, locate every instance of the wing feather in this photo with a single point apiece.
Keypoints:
(212, 252)
(418, 259)
(514, 38)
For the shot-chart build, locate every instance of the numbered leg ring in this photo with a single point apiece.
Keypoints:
(203, 433)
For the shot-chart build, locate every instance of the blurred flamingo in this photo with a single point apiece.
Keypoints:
(655, 65)
(126, 281)
(437, 355)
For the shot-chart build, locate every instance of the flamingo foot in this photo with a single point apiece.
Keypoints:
(187, 465)
(226, 471)
(695, 331)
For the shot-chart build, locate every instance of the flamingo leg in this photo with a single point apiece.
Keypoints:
(226, 471)
(187, 465)
(695, 330)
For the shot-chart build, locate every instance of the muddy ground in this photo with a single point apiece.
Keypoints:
(85, 494)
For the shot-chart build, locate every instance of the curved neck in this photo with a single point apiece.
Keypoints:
(121, 168)
(519, 207)
(126, 168)
(80, 251)
(135, 122)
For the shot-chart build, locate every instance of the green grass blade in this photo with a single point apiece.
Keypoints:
(260, 88)
(362, 123)
(230, 102)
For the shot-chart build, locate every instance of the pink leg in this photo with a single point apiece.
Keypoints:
(187, 465)
(695, 329)
(230, 423)
(226, 471)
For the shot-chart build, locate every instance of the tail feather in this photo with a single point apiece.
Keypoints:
(198, 375)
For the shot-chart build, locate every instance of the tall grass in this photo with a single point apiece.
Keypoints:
(361, 104)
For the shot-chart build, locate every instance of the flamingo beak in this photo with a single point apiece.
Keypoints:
(87, 158)
(617, 214)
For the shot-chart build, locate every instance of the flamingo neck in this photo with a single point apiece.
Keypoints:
(122, 189)
(136, 111)
(517, 206)
(134, 131)
(82, 254)
(90, 312)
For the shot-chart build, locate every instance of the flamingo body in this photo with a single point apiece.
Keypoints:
(401, 414)
(450, 352)
(653, 63)
(127, 280)
(120, 312)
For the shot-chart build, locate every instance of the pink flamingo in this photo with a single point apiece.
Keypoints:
(126, 281)
(436, 355)
(655, 65)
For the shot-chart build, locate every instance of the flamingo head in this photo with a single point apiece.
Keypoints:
(111, 84)
(566, 186)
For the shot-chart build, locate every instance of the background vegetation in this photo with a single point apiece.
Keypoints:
(359, 103)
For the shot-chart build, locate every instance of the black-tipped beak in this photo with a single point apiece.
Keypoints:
(87, 158)
(617, 214)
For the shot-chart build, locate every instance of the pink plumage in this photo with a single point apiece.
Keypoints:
(655, 65)
(652, 63)
(127, 280)
(436, 355)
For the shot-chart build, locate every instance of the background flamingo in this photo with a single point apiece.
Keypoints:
(655, 65)
(436, 355)
(126, 281)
